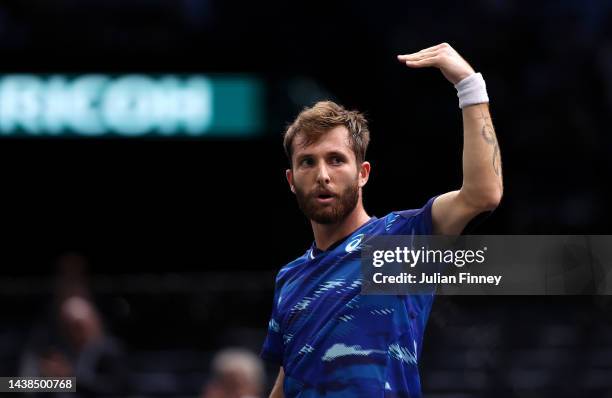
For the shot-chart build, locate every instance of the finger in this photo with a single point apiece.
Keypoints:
(420, 56)
(431, 61)
(424, 51)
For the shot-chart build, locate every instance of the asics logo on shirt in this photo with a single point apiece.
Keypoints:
(354, 243)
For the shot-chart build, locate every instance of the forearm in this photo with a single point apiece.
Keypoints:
(277, 390)
(482, 167)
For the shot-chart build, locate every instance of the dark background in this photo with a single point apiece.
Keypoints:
(184, 236)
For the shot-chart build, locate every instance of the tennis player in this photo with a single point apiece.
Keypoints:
(327, 338)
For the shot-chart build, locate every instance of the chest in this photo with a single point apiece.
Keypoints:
(320, 290)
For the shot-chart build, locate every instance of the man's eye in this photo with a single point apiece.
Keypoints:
(307, 162)
(337, 160)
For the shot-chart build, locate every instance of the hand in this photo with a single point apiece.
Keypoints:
(444, 57)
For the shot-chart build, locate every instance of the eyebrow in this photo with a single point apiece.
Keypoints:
(309, 155)
(336, 153)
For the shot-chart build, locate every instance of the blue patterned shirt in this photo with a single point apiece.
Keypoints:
(334, 342)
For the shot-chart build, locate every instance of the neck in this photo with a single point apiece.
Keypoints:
(327, 234)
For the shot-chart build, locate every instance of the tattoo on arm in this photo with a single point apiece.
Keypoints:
(488, 134)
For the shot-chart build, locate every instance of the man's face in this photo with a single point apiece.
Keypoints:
(326, 178)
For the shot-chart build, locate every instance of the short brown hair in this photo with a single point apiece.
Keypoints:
(323, 116)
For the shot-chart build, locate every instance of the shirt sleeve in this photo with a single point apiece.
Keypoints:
(272, 350)
(411, 222)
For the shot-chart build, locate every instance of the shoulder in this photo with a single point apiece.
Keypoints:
(411, 221)
(292, 267)
(423, 211)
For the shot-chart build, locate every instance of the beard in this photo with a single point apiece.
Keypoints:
(344, 203)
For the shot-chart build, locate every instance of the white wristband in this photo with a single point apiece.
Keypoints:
(472, 90)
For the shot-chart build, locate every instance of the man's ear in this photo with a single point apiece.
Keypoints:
(289, 175)
(364, 173)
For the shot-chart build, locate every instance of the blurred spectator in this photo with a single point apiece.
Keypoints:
(236, 373)
(71, 277)
(71, 341)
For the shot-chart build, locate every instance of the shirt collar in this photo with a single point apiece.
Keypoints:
(315, 251)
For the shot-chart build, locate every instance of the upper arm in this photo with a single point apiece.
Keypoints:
(277, 390)
(451, 212)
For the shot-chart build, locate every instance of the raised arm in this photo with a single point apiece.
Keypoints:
(482, 186)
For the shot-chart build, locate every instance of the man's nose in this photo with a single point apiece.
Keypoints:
(323, 175)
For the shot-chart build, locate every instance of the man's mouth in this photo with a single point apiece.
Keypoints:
(325, 197)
